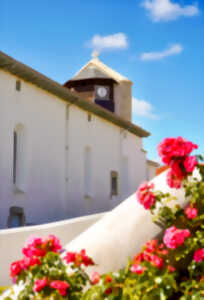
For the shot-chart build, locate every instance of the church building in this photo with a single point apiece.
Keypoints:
(66, 150)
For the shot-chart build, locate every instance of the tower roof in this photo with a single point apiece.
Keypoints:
(95, 68)
(89, 73)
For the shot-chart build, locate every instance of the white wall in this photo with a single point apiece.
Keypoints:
(55, 140)
(12, 240)
(43, 117)
(151, 171)
(123, 99)
(108, 144)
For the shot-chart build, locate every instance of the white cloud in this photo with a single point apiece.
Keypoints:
(109, 42)
(166, 10)
(172, 50)
(143, 108)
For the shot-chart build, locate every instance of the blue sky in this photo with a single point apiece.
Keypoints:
(158, 44)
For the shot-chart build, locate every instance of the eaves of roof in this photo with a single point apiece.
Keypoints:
(153, 163)
(28, 74)
(97, 63)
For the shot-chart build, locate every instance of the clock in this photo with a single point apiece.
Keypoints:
(102, 92)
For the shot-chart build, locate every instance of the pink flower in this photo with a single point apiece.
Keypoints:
(151, 246)
(175, 237)
(174, 152)
(34, 241)
(14, 280)
(16, 268)
(31, 261)
(165, 150)
(191, 212)
(86, 260)
(139, 258)
(189, 147)
(78, 258)
(20, 265)
(53, 243)
(40, 284)
(190, 163)
(171, 148)
(95, 277)
(145, 195)
(173, 180)
(70, 257)
(156, 261)
(137, 269)
(171, 268)
(175, 166)
(199, 255)
(34, 247)
(61, 286)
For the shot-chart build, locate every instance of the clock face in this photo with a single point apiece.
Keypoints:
(102, 91)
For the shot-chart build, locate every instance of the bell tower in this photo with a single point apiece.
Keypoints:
(99, 84)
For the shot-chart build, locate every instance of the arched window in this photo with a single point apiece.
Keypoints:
(88, 180)
(19, 157)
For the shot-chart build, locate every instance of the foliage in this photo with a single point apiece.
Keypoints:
(171, 267)
(43, 273)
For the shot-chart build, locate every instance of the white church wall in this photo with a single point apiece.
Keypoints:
(108, 145)
(43, 118)
(151, 168)
(132, 150)
(103, 140)
(151, 171)
(56, 136)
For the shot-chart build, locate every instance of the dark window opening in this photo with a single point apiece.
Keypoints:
(114, 183)
(14, 155)
(16, 217)
(89, 117)
(18, 85)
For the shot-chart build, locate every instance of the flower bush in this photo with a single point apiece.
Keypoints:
(170, 267)
(43, 272)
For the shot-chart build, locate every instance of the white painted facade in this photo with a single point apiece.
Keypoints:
(151, 169)
(50, 183)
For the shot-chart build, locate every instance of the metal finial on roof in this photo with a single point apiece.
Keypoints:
(95, 54)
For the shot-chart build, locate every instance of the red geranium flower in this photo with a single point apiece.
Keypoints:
(191, 212)
(199, 255)
(175, 237)
(40, 284)
(145, 195)
(138, 269)
(95, 277)
(61, 286)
